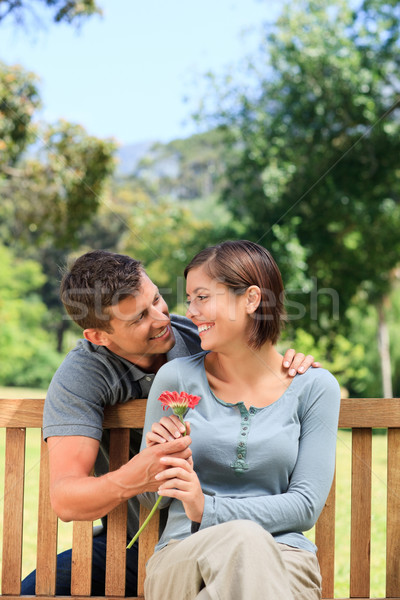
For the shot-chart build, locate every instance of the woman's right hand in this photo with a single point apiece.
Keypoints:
(166, 430)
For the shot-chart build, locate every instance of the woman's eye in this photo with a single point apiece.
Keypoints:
(201, 297)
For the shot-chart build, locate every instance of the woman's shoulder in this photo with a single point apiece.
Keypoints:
(317, 378)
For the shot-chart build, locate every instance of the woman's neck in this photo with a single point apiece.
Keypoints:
(245, 364)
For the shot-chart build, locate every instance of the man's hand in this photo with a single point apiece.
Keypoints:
(139, 473)
(297, 362)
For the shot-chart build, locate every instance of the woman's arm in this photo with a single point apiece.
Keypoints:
(298, 508)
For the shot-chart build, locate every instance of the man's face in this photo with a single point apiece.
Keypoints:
(141, 326)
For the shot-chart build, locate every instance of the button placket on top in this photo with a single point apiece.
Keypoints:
(240, 465)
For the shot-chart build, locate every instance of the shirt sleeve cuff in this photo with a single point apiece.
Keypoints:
(209, 517)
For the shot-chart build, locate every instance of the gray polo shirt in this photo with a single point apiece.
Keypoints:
(90, 378)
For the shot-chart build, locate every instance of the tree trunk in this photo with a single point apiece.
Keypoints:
(384, 351)
(61, 329)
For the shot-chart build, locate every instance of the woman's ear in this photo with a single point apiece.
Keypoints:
(253, 299)
(97, 337)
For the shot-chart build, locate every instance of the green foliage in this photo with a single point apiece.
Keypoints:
(185, 169)
(346, 360)
(62, 10)
(26, 358)
(164, 236)
(49, 198)
(317, 142)
(19, 98)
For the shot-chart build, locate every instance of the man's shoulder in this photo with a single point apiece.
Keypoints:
(89, 365)
(188, 332)
(84, 353)
(183, 324)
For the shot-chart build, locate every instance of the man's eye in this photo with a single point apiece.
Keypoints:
(138, 319)
(202, 297)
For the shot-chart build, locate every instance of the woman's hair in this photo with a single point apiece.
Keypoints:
(238, 265)
(96, 281)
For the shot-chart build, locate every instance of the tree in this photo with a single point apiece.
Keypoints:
(62, 10)
(19, 99)
(48, 195)
(26, 357)
(316, 146)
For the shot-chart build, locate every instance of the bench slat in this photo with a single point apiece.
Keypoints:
(360, 547)
(147, 544)
(29, 413)
(46, 557)
(13, 510)
(117, 520)
(325, 542)
(393, 515)
(369, 412)
(81, 567)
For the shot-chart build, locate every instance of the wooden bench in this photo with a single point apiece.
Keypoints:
(359, 415)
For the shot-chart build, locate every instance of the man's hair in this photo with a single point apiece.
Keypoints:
(238, 265)
(96, 281)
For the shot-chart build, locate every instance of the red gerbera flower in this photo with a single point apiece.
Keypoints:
(178, 402)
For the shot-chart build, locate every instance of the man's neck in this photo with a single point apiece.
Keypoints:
(151, 364)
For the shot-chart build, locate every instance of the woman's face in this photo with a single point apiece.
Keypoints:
(219, 314)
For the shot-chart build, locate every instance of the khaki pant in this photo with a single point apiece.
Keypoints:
(237, 560)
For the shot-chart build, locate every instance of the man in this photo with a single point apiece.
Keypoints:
(128, 336)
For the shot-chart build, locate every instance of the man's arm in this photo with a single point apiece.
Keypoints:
(77, 495)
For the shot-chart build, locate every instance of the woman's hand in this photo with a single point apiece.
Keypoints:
(181, 482)
(166, 430)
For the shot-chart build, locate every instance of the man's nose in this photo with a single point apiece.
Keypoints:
(158, 315)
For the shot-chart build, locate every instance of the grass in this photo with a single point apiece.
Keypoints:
(343, 461)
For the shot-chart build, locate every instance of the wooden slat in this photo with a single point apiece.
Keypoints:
(360, 548)
(81, 567)
(325, 542)
(146, 544)
(29, 413)
(369, 412)
(46, 557)
(117, 520)
(354, 412)
(393, 515)
(13, 511)
(131, 414)
(21, 413)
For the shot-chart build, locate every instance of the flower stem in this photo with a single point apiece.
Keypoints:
(153, 510)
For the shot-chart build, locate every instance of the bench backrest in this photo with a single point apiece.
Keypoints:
(359, 415)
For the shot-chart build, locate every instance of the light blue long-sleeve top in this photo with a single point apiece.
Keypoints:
(273, 465)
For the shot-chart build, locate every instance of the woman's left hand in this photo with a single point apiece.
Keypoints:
(180, 481)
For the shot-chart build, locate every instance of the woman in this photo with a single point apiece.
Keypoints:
(263, 444)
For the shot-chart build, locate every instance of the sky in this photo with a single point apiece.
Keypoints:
(126, 75)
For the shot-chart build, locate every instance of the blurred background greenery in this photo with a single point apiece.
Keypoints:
(299, 151)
